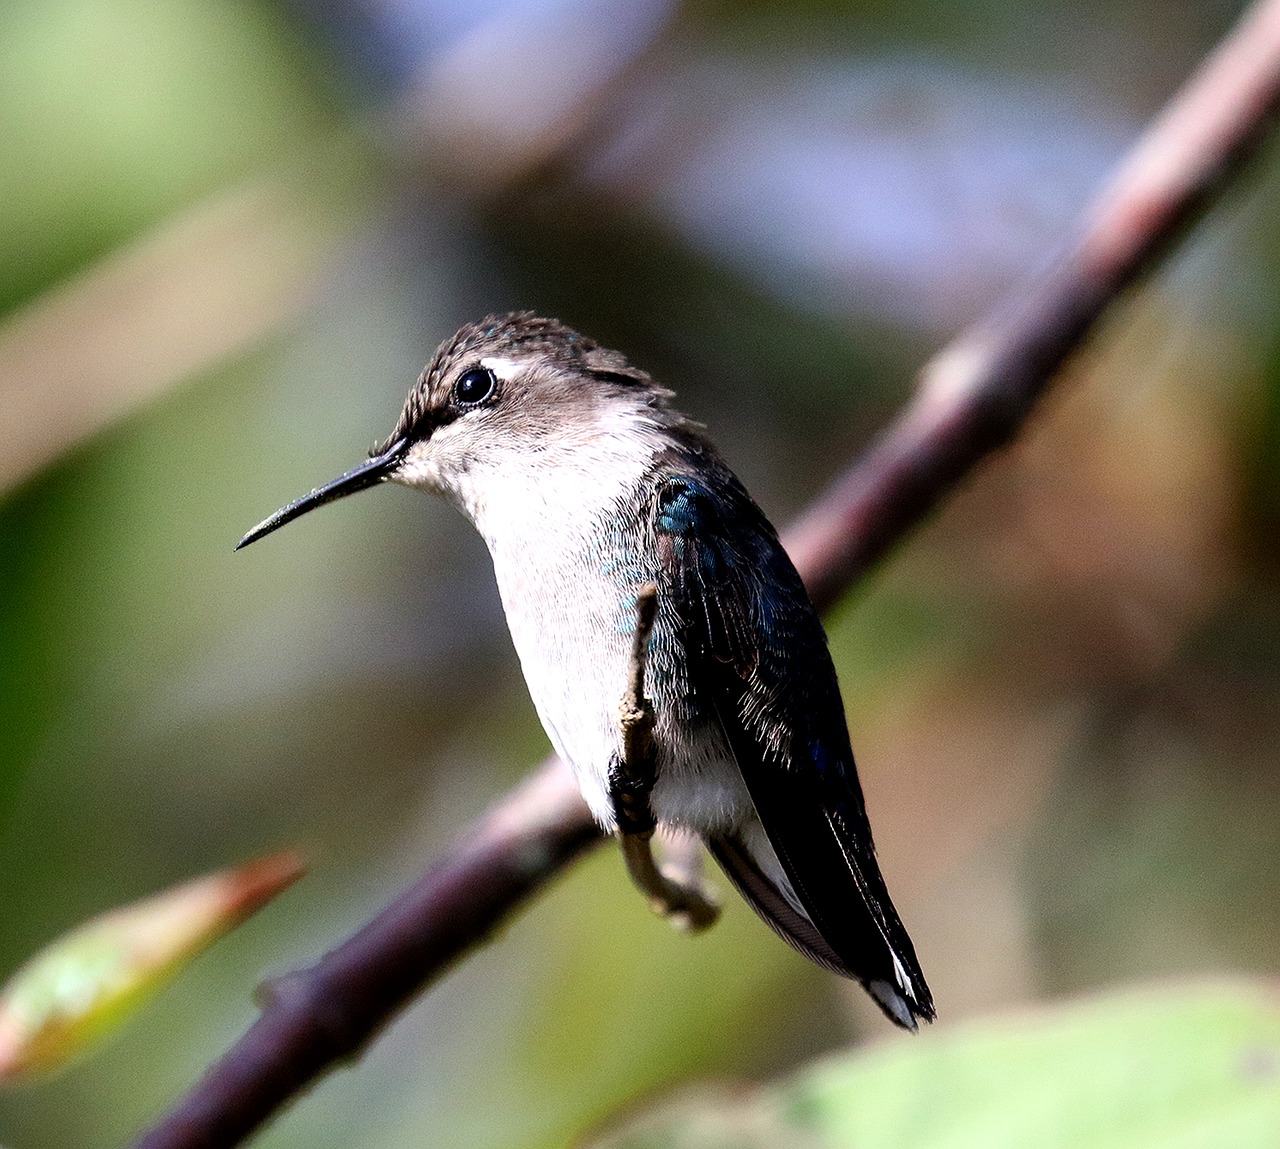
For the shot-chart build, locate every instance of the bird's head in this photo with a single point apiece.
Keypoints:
(505, 398)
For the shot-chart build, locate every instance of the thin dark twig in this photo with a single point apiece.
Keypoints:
(972, 398)
(975, 395)
(681, 898)
(324, 1015)
(637, 715)
(635, 772)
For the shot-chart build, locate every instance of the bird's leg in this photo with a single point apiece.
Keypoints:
(676, 894)
(680, 858)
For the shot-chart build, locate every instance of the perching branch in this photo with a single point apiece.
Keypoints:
(681, 898)
(317, 1017)
(975, 394)
(972, 399)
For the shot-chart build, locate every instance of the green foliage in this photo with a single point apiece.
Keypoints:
(120, 111)
(87, 983)
(1171, 1068)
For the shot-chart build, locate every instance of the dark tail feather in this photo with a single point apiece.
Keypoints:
(798, 931)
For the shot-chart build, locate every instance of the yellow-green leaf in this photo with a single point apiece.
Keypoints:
(1174, 1067)
(90, 980)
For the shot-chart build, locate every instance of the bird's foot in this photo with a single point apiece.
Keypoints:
(676, 891)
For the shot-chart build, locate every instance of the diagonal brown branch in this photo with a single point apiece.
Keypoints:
(973, 398)
(975, 394)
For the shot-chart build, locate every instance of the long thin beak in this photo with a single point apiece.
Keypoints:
(368, 474)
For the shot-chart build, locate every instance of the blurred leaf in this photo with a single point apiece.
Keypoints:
(91, 980)
(210, 281)
(118, 112)
(1196, 1065)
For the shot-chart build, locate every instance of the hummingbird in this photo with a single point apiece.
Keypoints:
(588, 485)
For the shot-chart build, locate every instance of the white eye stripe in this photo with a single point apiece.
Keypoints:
(504, 369)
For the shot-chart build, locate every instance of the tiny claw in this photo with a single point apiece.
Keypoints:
(688, 905)
(689, 909)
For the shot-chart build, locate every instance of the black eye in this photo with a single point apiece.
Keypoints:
(474, 386)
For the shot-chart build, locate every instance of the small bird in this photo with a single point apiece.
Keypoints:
(588, 485)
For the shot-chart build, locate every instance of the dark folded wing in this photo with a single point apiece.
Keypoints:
(758, 658)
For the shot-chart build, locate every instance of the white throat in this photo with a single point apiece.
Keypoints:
(549, 492)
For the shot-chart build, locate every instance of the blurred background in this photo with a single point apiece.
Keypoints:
(232, 232)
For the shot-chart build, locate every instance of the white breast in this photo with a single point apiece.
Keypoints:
(540, 518)
(568, 608)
